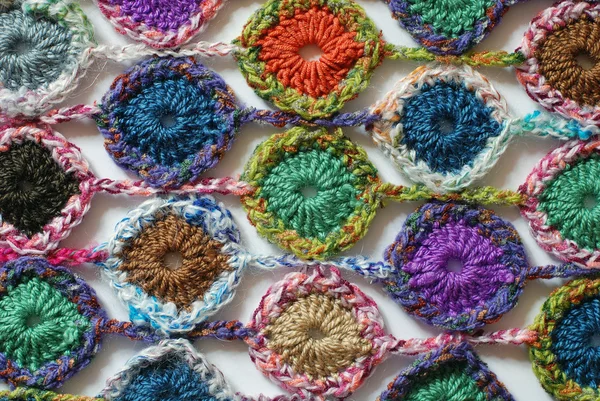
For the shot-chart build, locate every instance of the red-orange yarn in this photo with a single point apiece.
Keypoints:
(317, 26)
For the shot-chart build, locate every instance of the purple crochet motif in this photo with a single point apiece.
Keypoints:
(492, 276)
(436, 42)
(480, 277)
(163, 15)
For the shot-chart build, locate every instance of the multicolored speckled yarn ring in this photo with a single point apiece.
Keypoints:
(172, 370)
(317, 334)
(174, 300)
(458, 267)
(563, 204)
(271, 62)
(43, 50)
(50, 323)
(44, 189)
(31, 394)
(160, 23)
(552, 74)
(566, 356)
(444, 126)
(451, 373)
(168, 120)
(449, 27)
(313, 191)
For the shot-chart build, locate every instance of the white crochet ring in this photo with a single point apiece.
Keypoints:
(388, 132)
(146, 309)
(155, 357)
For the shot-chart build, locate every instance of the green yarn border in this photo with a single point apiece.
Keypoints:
(269, 225)
(551, 377)
(67, 14)
(267, 86)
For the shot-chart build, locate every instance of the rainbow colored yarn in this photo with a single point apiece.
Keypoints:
(351, 44)
(551, 74)
(162, 23)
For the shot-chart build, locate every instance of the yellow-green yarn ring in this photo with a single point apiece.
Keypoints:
(547, 365)
(31, 394)
(269, 87)
(285, 165)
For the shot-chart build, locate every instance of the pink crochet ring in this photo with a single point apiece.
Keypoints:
(552, 74)
(160, 23)
(563, 202)
(304, 307)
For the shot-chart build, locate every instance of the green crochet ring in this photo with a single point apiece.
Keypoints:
(313, 192)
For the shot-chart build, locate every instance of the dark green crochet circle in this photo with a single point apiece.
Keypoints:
(450, 382)
(38, 324)
(311, 216)
(572, 202)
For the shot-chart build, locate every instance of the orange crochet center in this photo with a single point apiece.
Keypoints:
(280, 49)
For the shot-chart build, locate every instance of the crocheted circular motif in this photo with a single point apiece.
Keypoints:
(552, 74)
(448, 27)
(317, 334)
(313, 191)
(172, 371)
(458, 267)
(566, 356)
(175, 300)
(272, 63)
(168, 120)
(43, 48)
(49, 323)
(160, 23)
(451, 373)
(444, 127)
(44, 188)
(563, 194)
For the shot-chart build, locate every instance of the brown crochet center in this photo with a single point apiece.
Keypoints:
(558, 63)
(202, 261)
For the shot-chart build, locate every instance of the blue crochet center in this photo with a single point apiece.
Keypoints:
(447, 126)
(575, 344)
(167, 380)
(170, 121)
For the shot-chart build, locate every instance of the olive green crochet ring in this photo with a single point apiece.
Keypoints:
(351, 49)
(318, 224)
(566, 355)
